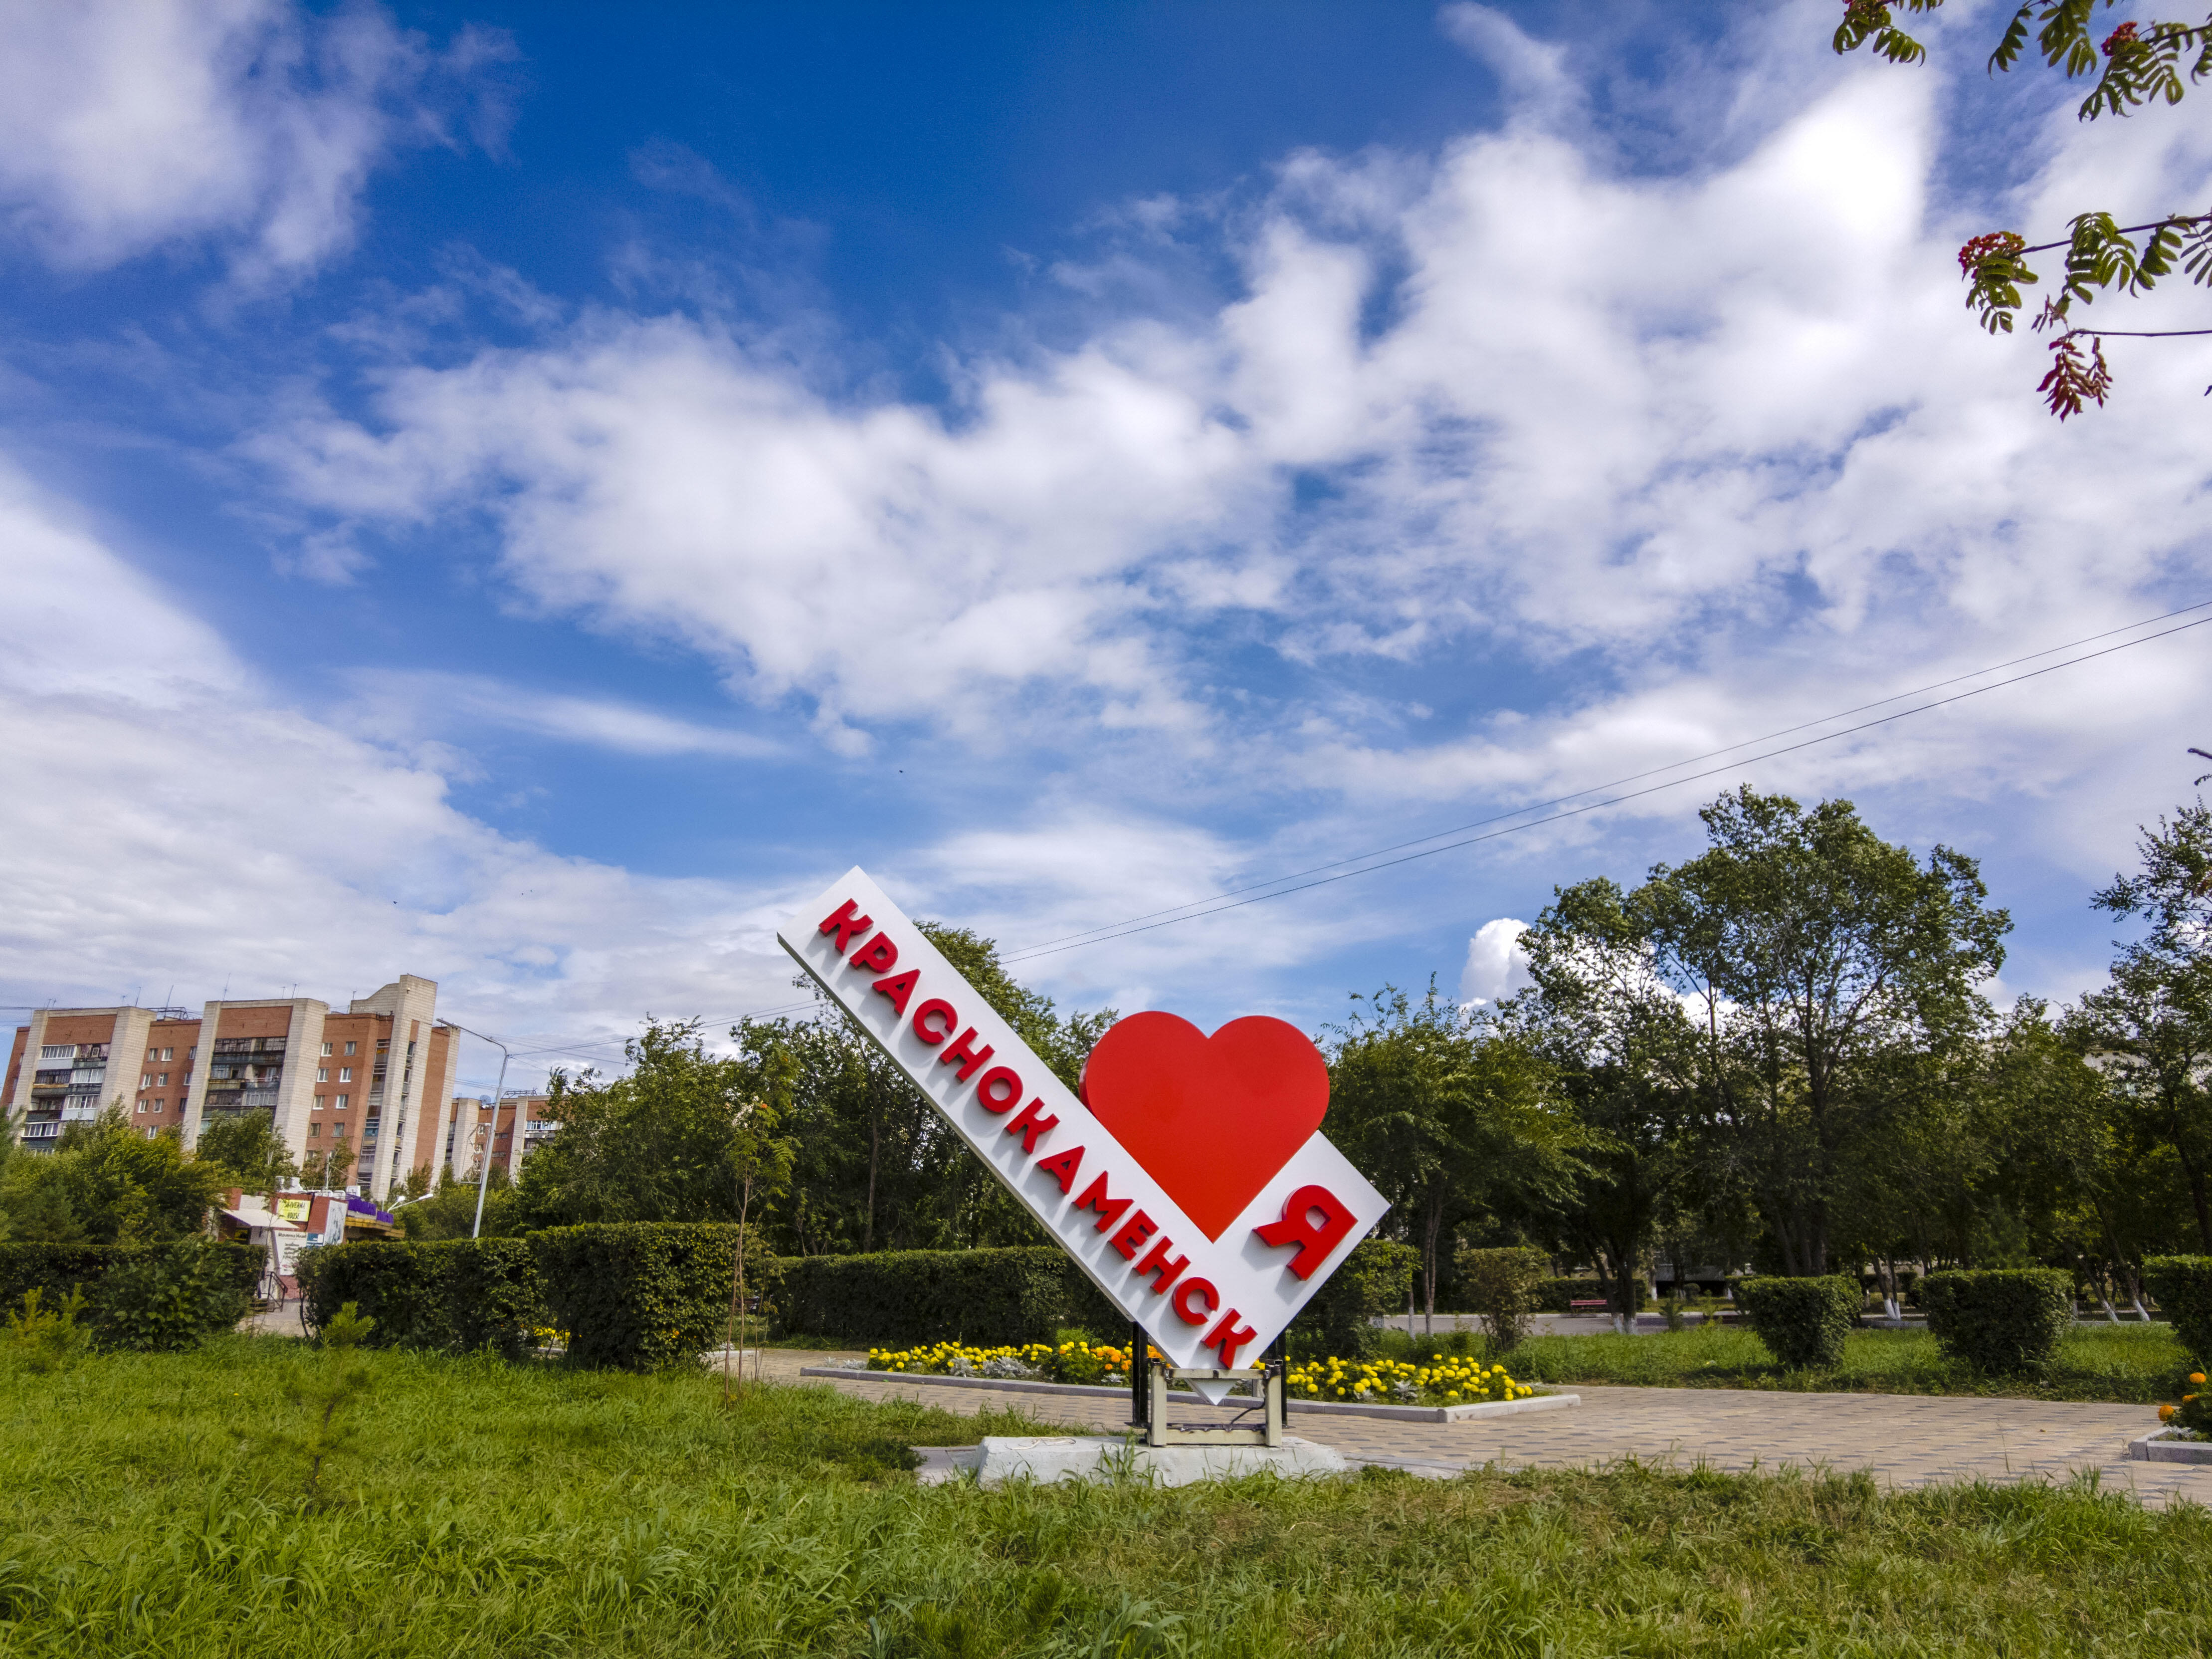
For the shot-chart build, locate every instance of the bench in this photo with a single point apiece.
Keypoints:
(1598, 1305)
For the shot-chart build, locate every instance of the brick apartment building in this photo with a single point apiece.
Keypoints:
(464, 1139)
(378, 1077)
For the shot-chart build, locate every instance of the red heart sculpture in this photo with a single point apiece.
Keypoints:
(1212, 1119)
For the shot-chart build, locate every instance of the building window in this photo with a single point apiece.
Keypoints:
(168, 1054)
(350, 1047)
(158, 1104)
(345, 1101)
(161, 1079)
(145, 1080)
(345, 1074)
(321, 1101)
(142, 1103)
(327, 1048)
(314, 1132)
(58, 1051)
(322, 1074)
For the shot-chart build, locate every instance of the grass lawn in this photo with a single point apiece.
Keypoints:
(2128, 1364)
(154, 1507)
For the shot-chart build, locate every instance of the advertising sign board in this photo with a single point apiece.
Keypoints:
(1189, 1179)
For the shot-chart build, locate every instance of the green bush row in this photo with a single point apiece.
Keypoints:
(148, 1298)
(1802, 1321)
(1338, 1323)
(2183, 1286)
(2000, 1320)
(987, 1297)
(457, 1295)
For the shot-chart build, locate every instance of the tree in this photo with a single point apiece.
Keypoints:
(106, 1183)
(247, 1151)
(1446, 1109)
(662, 1144)
(2137, 64)
(1626, 1059)
(1810, 961)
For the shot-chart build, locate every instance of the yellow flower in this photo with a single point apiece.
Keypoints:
(2197, 1376)
(2166, 1414)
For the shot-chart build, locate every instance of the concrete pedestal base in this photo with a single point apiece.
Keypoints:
(1095, 1457)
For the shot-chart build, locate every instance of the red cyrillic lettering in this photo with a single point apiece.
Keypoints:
(1061, 1169)
(963, 1049)
(1139, 1228)
(948, 1021)
(842, 922)
(1228, 1338)
(1032, 1123)
(1164, 1273)
(877, 955)
(986, 1091)
(1109, 1209)
(1314, 1241)
(1188, 1292)
(898, 988)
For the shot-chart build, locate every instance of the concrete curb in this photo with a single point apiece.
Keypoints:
(2161, 1446)
(1541, 1402)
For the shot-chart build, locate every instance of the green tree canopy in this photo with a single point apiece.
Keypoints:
(106, 1183)
(245, 1148)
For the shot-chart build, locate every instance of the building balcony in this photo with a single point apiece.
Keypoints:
(48, 1130)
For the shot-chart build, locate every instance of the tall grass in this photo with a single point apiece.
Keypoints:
(498, 1510)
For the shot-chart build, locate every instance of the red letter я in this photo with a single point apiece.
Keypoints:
(1134, 1232)
(962, 1048)
(1061, 1169)
(1315, 1240)
(1188, 1292)
(1032, 1123)
(1094, 1198)
(1164, 1273)
(1229, 1336)
(877, 955)
(842, 922)
(934, 1021)
(898, 988)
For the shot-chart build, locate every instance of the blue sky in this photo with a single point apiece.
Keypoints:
(508, 494)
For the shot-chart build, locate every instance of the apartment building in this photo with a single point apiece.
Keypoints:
(465, 1140)
(376, 1080)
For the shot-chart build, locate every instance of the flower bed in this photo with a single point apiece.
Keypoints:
(1445, 1382)
(2193, 1418)
(1041, 1362)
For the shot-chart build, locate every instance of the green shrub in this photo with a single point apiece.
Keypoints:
(2005, 1319)
(48, 1339)
(2183, 1286)
(641, 1295)
(1375, 1278)
(140, 1296)
(987, 1298)
(1501, 1283)
(455, 1295)
(1556, 1295)
(1802, 1322)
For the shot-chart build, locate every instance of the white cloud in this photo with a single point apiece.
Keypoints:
(168, 826)
(1727, 431)
(407, 704)
(1496, 966)
(128, 125)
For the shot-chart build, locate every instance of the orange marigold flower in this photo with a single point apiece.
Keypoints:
(2166, 1414)
(2197, 1376)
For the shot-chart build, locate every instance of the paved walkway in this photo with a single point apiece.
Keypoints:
(1904, 1440)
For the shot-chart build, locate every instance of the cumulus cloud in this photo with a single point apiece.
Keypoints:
(167, 824)
(1496, 966)
(1720, 437)
(129, 125)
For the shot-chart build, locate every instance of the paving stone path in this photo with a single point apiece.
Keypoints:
(1904, 1440)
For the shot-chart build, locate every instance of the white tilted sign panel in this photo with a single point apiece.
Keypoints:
(1204, 1300)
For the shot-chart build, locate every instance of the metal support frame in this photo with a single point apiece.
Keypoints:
(1160, 1377)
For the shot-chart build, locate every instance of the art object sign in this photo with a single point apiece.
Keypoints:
(1189, 1179)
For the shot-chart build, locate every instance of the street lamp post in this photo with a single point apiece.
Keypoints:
(483, 1179)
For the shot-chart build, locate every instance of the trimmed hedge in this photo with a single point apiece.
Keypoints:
(643, 1296)
(1802, 1321)
(143, 1297)
(2183, 1286)
(1553, 1295)
(455, 1295)
(2002, 1319)
(1339, 1322)
(987, 1297)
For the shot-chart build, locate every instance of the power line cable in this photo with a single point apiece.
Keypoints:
(1616, 800)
